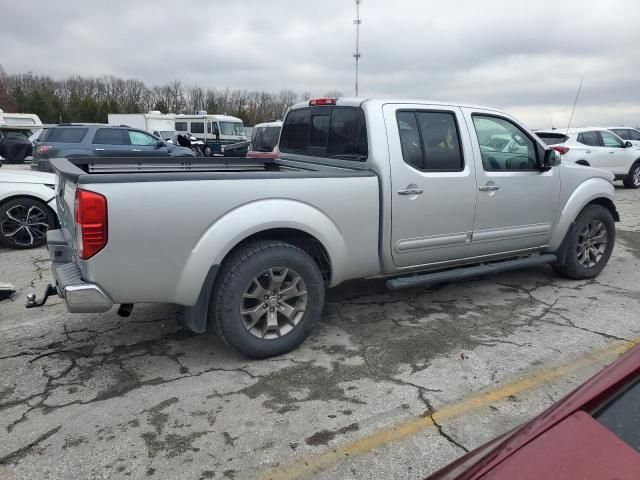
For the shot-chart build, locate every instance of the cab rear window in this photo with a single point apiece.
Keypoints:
(332, 132)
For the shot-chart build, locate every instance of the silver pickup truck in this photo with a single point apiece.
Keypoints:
(412, 191)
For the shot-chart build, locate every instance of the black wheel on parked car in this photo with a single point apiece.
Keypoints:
(267, 298)
(632, 180)
(24, 223)
(590, 242)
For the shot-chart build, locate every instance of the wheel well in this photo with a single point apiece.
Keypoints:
(31, 197)
(583, 162)
(608, 204)
(300, 239)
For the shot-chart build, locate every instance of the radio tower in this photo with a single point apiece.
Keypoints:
(357, 22)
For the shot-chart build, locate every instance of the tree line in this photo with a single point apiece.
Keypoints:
(90, 99)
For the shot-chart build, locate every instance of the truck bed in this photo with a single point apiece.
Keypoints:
(136, 169)
(168, 228)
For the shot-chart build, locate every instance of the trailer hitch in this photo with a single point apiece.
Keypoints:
(31, 298)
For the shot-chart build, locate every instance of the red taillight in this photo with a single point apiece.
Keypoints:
(91, 223)
(44, 148)
(322, 101)
(560, 149)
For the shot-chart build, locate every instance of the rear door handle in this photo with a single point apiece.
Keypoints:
(587, 151)
(99, 149)
(489, 188)
(136, 150)
(411, 191)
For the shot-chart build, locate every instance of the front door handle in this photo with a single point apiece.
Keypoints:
(489, 188)
(99, 149)
(411, 191)
(136, 150)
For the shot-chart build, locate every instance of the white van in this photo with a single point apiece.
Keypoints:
(222, 134)
(155, 122)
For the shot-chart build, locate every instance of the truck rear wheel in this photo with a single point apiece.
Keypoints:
(590, 243)
(267, 298)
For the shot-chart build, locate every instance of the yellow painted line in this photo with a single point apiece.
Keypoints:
(317, 463)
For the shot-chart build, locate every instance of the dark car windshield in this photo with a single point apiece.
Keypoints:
(264, 139)
(622, 415)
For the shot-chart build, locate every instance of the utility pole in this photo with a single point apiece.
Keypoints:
(357, 22)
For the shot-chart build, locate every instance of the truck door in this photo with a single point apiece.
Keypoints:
(145, 145)
(433, 190)
(516, 201)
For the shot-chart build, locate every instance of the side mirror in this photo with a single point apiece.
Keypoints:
(628, 144)
(552, 158)
(159, 144)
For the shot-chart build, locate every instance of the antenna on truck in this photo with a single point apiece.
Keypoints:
(357, 22)
(574, 106)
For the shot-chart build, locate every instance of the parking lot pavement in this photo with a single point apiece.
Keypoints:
(391, 385)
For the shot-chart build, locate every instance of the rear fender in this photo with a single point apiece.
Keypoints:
(585, 193)
(255, 217)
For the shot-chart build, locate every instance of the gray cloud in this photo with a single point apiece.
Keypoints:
(525, 57)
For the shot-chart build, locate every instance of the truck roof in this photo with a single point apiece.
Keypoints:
(360, 101)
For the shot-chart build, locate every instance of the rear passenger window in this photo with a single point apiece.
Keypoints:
(430, 141)
(410, 139)
(589, 138)
(110, 136)
(64, 135)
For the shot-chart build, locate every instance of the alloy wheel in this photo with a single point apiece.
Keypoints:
(274, 303)
(24, 225)
(592, 242)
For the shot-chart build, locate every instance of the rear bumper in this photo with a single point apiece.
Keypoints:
(79, 296)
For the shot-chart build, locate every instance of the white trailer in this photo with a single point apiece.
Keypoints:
(160, 124)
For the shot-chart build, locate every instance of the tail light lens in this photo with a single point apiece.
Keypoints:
(91, 223)
(322, 101)
(44, 148)
(560, 149)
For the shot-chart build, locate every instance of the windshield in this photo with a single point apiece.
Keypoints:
(264, 139)
(622, 133)
(232, 128)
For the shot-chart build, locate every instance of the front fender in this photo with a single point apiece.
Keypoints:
(585, 193)
(251, 218)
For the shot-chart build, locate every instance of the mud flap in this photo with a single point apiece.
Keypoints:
(195, 317)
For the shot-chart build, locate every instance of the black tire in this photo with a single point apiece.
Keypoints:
(572, 267)
(206, 151)
(238, 274)
(32, 233)
(632, 180)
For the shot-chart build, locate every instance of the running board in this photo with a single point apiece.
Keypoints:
(468, 272)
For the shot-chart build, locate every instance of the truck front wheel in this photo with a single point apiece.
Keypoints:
(267, 298)
(590, 242)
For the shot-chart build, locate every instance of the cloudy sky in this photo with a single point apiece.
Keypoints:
(522, 56)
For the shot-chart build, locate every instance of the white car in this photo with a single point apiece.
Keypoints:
(627, 133)
(597, 147)
(27, 207)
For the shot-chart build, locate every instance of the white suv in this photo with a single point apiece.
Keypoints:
(597, 147)
(626, 133)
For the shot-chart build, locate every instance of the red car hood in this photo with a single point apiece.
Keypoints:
(563, 440)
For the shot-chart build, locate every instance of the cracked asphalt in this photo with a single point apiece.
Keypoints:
(99, 396)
